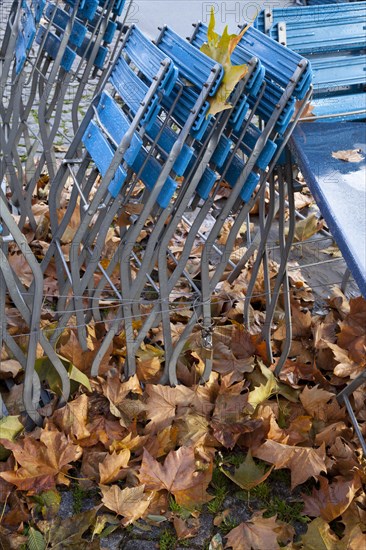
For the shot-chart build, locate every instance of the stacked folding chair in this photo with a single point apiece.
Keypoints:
(149, 124)
(75, 43)
(287, 79)
(332, 37)
(25, 303)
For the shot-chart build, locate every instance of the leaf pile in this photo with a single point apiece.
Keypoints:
(152, 453)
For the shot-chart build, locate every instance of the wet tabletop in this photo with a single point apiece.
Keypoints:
(338, 187)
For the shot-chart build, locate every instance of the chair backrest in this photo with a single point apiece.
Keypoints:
(327, 27)
(332, 37)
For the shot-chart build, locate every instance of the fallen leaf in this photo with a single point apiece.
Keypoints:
(331, 500)
(42, 463)
(248, 475)
(9, 369)
(111, 468)
(10, 427)
(68, 532)
(186, 529)
(319, 536)
(348, 155)
(316, 401)
(258, 533)
(73, 418)
(304, 462)
(179, 475)
(306, 228)
(130, 502)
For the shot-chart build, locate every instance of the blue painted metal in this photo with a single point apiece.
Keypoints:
(52, 46)
(184, 107)
(272, 93)
(327, 27)
(148, 58)
(25, 36)
(88, 11)
(193, 65)
(340, 105)
(132, 90)
(102, 154)
(61, 19)
(338, 187)
(166, 141)
(116, 125)
(338, 70)
(37, 7)
(110, 32)
(150, 175)
(86, 49)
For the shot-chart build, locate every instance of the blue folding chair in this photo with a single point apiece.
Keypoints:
(333, 43)
(278, 123)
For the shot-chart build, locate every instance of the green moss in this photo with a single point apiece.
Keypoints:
(78, 497)
(167, 540)
(287, 512)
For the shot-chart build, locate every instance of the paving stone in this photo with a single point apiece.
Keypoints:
(205, 531)
(139, 544)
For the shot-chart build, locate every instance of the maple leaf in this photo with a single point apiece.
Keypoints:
(233, 351)
(130, 502)
(318, 403)
(42, 463)
(68, 532)
(10, 427)
(319, 536)
(345, 365)
(352, 336)
(306, 228)
(178, 475)
(248, 475)
(304, 462)
(165, 404)
(103, 430)
(73, 417)
(186, 529)
(220, 49)
(258, 533)
(111, 469)
(116, 392)
(331, 500)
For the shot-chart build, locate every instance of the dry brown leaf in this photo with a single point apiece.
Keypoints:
(348, 155)
(186, 529)
(178, 475)
(72, 418)
(316, 402)
(304, 462)
(345, 367)
(42, 463)
(116, 391)
(319, 536)
(131, 503)
(352, 336)
(306, 228)
(111, 469)
(9, 368)
(331, 500)
(165, 404)
(259, 533)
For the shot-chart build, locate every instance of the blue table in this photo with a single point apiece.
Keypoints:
(338, 187)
